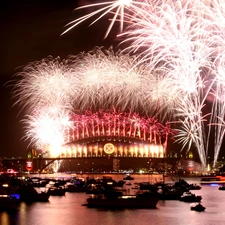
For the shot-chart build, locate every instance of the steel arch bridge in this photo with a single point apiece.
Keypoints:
(113, 134)
(117, 134)
(113, 146)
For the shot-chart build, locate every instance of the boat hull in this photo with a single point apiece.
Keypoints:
(35, 197)
(217, 180)
(198, 208)
(122, 202)
(8, 203)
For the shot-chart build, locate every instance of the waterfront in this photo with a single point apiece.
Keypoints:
(68, 209)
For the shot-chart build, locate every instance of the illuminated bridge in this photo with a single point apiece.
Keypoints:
(113, 146)
(102, 135)
(116, 134)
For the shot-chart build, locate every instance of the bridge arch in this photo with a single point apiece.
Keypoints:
(128, 134)
(113, 146)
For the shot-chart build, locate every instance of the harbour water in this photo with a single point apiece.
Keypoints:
(68, 209)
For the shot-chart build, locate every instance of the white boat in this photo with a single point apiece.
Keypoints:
(128, 177)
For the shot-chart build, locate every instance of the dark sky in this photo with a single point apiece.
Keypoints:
(30, 31)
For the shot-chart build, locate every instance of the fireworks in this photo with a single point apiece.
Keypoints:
(113, 125)
(120, 124)
(183, 44)
(51, 91)
(115, 8)
(177, 62)
(46, 82)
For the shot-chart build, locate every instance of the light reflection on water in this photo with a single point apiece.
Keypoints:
(68, 209)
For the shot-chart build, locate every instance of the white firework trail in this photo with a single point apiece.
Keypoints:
(51, 91)
(180, 40)
(46, 82)
(218, 106)
(48, 130)
(116, 8)
(109, 79)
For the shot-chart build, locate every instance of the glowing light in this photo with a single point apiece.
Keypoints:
(51, 91)
(115, 8)
(183, 43)
(177, 63)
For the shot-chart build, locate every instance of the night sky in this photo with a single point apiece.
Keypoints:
(30, 31)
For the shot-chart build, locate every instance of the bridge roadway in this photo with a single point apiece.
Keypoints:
(42, 162)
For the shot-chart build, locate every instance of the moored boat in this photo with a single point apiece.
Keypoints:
(212, 180)
(198, 207)
(29, 194)
(144, 200)
(128, 177)
(71, 187)
(8, 199)
(9, 202)
(55, 189)
(194, 187)
(190, 197)
(222, 188)
(75, 185)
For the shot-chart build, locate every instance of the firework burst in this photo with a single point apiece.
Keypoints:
(51, 91)
(116, 8)
(47, 82)
(182, 43)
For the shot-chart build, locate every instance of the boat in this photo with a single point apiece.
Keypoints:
(8, 200)
(38, 182)
(29, 194)
(71, 187)
(128, 183)
(128, 177)
(190, 197)
(170, 194)
(55, 189)
(212, 180)
(135, 187)
(194, 187)
(222, 188)
(198, 207)
(75, 185)
(120, 183)
(118, 200)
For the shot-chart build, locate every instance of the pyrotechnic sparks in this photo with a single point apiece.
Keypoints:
(47, 82)
(218, 106)
(52, 91)
(116, 8)
(183, 44)
(109, 79)
(121, 124)
(48, 130)
(116, 125)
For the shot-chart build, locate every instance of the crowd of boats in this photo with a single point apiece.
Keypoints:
(101, 192)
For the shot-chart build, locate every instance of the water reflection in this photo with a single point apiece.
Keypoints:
(68, 209)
